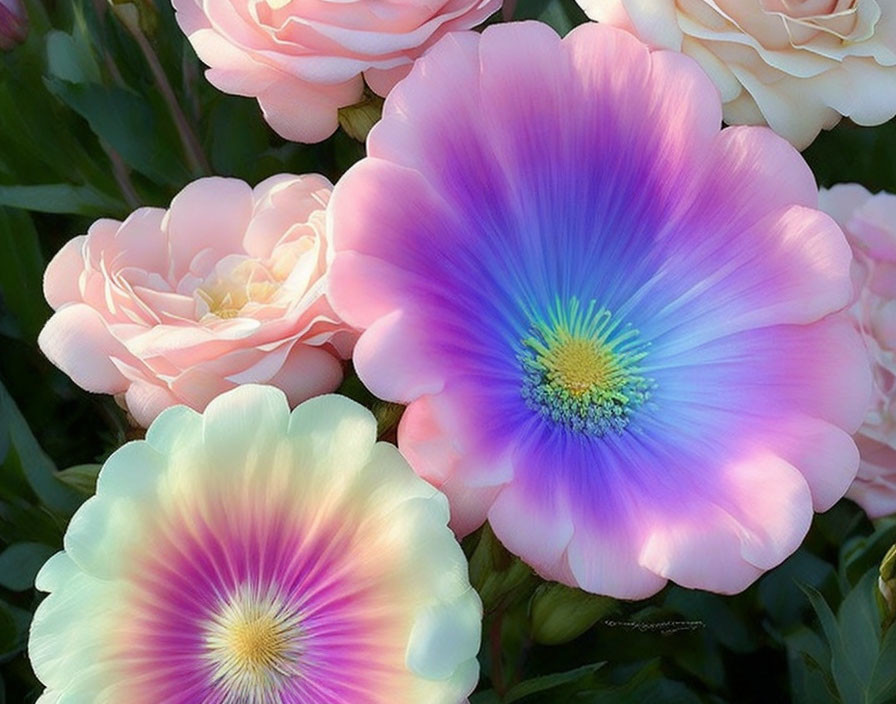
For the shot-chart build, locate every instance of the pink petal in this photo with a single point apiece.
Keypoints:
(211, 213)
(63, 273)
(307, 372)
(77, 340)
(145, 401)
(304, 112)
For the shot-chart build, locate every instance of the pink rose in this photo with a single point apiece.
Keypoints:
(303, 59)
(13, 24)
(870, 225)
(226, 287)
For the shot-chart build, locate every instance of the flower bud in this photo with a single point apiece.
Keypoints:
(886, 596)
(137, 15)
(13, 24)
(560, 614)
(357, 120)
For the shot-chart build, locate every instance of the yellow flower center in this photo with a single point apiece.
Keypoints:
(255, 643)
(249, 282)
(581, 368)
(579, 365)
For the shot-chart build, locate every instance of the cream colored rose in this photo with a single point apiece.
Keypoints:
(797, 65)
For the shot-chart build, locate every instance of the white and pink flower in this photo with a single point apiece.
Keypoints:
(252, 556)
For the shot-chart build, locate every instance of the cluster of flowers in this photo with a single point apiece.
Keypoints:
(638, 346)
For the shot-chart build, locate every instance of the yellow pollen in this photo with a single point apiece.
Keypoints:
(250, 282)
(579, 365)
(259, 643)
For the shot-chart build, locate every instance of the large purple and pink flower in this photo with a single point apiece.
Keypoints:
(616, 327)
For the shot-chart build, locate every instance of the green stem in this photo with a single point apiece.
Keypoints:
(192, 148)
(497, 653)
(122, 177)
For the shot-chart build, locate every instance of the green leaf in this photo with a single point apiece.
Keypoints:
(489, 696)
(847, 680)
(859, 621)
(20, 562)
(717, 613)
(81, 478)
(780, 594)
(562, 15)
(810, 677)
(21, 271)
(60, 198)
(548, 682)
(14, 624)
(859, 555)
(70, 59)
(882, 688)
(643, 686)
(21, 521)
(25, 464)
(126, 122)
(236, 135)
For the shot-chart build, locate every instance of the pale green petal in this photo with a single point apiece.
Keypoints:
(445, 636)
(173, 428)
(56, 572)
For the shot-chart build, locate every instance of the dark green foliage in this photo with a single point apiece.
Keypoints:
(86, 132)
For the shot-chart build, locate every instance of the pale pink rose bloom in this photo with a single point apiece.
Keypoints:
(304, 59)
(227, 287)
(870, 225)
(796, 65)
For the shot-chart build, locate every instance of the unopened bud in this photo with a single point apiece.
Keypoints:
(387, 416)
(137, 15)
(13, 24)
(357, 120)
(886, 596)
(560, 614)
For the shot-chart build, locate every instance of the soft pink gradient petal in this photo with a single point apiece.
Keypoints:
(868, 221)
(825, 454)
(382, 80)
(303, 112)
(63, 273)
(212, 213)
(605, 564)
(433, 452)
(654, 21)
(141, 241)
(307, 372)
(146, 401)
(875, 486)
(77, 340)
(540, 530)
(396, 336)
(791, 266)
(725, 544)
